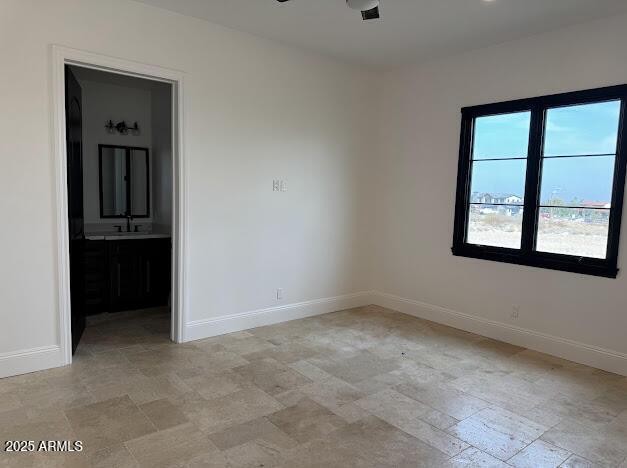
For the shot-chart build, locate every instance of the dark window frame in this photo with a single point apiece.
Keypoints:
(527, 255)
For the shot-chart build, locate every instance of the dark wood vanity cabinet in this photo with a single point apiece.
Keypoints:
(154, 274)
(126, 274)
(96, 279)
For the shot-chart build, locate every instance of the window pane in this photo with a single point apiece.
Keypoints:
(579, 232)
(583, 181)
(502, 136)
(496, 182)
(582, 130)
(494, 225)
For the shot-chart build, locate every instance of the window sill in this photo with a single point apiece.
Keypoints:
(584, 266)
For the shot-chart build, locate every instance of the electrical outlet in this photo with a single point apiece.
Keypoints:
(515, 311)
(279, 294)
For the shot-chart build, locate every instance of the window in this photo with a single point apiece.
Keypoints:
(541, 181)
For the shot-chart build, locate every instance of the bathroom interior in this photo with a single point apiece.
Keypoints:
(119, 144)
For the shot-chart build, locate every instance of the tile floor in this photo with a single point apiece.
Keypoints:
(365, 387)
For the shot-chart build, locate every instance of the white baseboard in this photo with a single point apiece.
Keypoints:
(30, 360)
(200, 329)
(582, 353)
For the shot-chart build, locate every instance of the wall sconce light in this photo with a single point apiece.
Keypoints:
(122, 128)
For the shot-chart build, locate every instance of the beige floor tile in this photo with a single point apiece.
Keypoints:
(44, 460)
(367, 443)
(444, 398)
(116, 456)
(44, 394)
(207, 460)
(393, 407)
(247, 345)
(172, 447)
(539, 454)
(332, 392)
(163, 414)
(290, 397)
(215, 385)
(217, 361)
(575, 461)
(613, 400)
(579, 381)
(261, 430)
(357, 368)
(365, 387)
(271, 376)
(595, 411)
(443, 361)
(138, 387)
(9, 402)
(498, 432)
(254, 454)
(287, 352)
(109, 422)
(598, 443)
(236, 408)
(436, 438)
(351, 412)
(260, 367)
(505, 390)
(310, 371)
(35, 424)
(475, 458)
(306, 420)
(438, 419)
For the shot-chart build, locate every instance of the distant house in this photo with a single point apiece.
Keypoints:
(495, 198)
(514, 199)
(502, 203)
(596, 204)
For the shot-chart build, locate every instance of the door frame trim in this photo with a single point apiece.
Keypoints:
(60, 57)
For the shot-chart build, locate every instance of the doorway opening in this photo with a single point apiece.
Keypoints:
(121, 203)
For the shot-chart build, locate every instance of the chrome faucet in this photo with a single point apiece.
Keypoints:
(129, 218)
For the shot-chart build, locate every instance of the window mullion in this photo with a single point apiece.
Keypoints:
(532, 183)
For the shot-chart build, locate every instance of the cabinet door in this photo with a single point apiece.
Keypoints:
(123, 271)
(96, 279)
(155, 272)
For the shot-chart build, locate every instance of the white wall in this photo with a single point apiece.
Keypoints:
(103, 102)
(161, 168)
(255, 111)
(417, 172)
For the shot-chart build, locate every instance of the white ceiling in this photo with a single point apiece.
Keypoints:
(410, 31)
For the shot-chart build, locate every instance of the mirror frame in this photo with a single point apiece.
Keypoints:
(127, 150)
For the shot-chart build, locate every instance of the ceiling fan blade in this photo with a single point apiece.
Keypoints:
(370, 14)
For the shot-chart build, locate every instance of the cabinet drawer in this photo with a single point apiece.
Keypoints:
(124, 247)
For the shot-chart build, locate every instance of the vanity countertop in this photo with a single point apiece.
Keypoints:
(125, 235)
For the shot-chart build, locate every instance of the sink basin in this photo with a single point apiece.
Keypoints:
(118, 234)
(125, 235)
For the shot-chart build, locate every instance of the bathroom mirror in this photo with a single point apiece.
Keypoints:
(124, 181)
